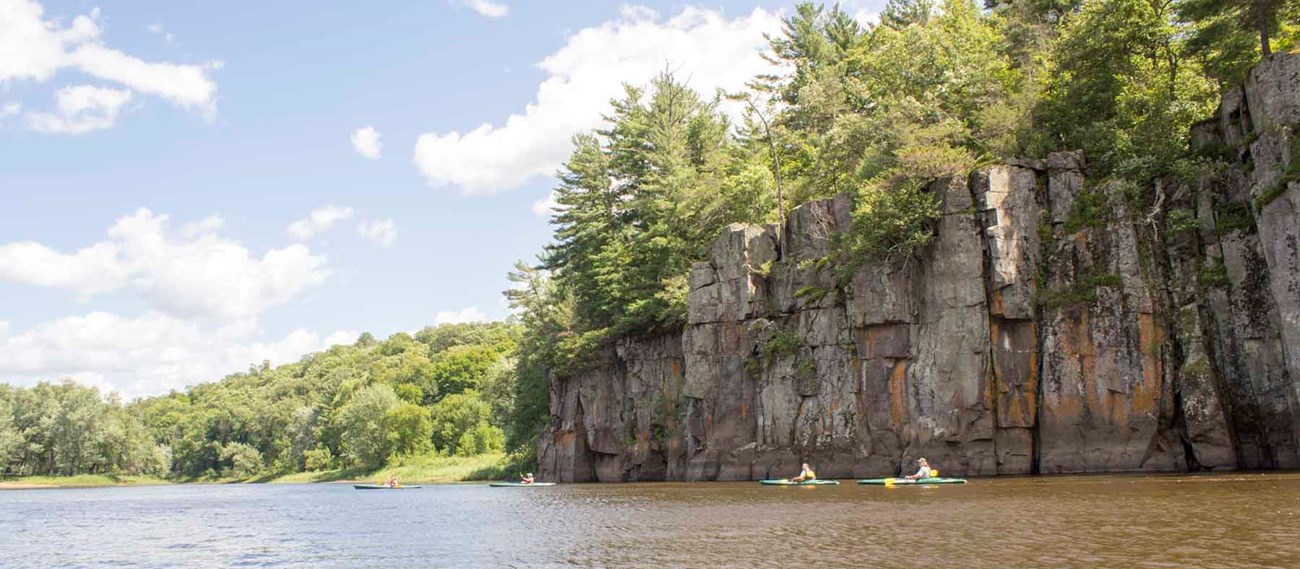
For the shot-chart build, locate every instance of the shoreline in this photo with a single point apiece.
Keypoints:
(413, 470)
(106, 481)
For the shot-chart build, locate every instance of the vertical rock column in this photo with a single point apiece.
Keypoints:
(1106, 405)
(1240, 316)
(950, 403)
(1272, 95)
(1011, 207)
(718, 398)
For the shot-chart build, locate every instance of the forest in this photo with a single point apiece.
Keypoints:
(869, 110)
(445, 390)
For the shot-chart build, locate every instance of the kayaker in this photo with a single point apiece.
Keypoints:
(805, 474)
(526, 478)
(392, 481)
(922, 472)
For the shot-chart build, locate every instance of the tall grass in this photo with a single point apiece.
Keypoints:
(422, 469)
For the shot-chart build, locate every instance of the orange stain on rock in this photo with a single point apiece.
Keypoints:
(898, 394)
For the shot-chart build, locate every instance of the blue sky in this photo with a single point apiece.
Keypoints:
(155, 154)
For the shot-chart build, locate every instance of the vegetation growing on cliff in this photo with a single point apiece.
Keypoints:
(876, 111)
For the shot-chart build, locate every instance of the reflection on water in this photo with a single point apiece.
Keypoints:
(1231, 520)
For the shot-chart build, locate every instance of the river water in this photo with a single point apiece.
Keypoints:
(1228, 520)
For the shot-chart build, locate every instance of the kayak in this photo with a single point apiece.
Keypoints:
(904, 481)
(519, 484)
(383, 487)
(788, 482)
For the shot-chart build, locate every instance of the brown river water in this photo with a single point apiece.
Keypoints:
(1220, 520)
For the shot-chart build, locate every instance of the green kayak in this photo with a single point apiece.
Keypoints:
(519, 484)
(383, 487)
(788, 482)
(904, 481)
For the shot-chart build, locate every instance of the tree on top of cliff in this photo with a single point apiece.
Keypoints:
(1231, 35)
(641, 200)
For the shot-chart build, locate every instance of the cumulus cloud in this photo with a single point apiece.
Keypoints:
(488, 8)
(318, 221)
(366, 142)
(382, 232)
(469, 314)
(703, 47)
(191, 273)
(209, 224)
(145, 355)
(35, 48)
(82, 108)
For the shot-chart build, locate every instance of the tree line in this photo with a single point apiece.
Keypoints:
(446, 390)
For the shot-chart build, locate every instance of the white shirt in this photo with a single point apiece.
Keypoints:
(923, 472)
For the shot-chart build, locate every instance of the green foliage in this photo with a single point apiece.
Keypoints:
(461, 368)
(890, 224)
(813, 293)
(408, 428)
(318, 459)
(1234, 217)
(240, 461)
(1228, 36)
(1269, 194)
(1083, 290)
(1181, 221)
(363, 439)
(357, 406)
(65, 429)
(1090, 210)
(1119, 88)
(1214, 274)
(782, 344)
(462, 426)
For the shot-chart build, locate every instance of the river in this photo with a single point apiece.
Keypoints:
(1222, 520)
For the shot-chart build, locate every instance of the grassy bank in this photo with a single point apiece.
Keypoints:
(79, 481)
(422, 469)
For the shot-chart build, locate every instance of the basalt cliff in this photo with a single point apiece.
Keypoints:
(1054, 324)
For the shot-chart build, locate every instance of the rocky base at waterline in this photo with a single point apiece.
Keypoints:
(1051, 326)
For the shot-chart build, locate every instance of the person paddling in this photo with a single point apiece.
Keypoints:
(923, 471)
(392, 481)
(805, 475)
(527, 478)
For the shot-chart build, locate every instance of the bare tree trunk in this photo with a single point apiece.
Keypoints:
(776, 173)
(1263, 42)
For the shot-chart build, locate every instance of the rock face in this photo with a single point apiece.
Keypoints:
(1050, 326)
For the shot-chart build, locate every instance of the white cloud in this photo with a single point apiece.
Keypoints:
(10, 109)
(190, 274)
(157, 30)
(366, 142)
(318, 221)
(209, 224)
(383, 231)
(866, 12)
(488, 8)
(146, 355)
(545, 207)
(701, 46)
(33, 48)
(341, 337)
(469, 314)
(82, 108)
